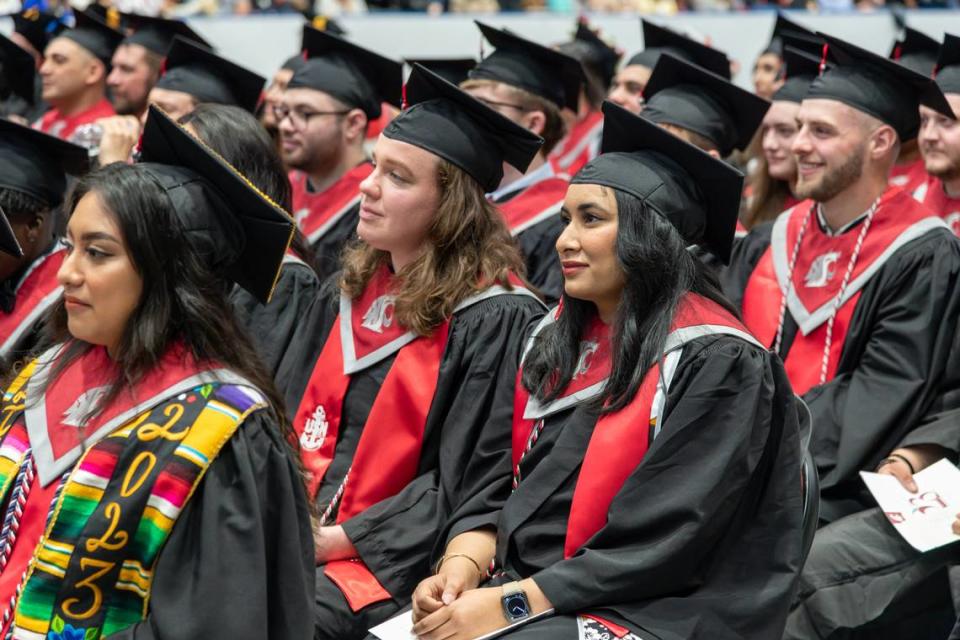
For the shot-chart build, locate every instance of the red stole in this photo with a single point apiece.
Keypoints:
(534, 204)
(932, 195)
(54, 421)
(580, 146)
(63, 127)
(817, 276)
(909, 177)
(388, 453)
(316, 213)
(37, 292)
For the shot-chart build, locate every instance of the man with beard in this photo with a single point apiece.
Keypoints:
(857, 288)
(940, 141)
(323, 118)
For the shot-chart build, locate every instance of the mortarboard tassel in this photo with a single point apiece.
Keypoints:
(823, 58)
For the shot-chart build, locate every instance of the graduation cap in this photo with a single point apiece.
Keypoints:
(532, 67)
(697, 193)
(157, 34)
(194, 69)
(947, 73)
(785, 27)
(348, 72)
(8, 240)
(801, 69)
(38, 27)
(877, 86)
(454, 125)
(17, 70)
(36, 164)
(602, 56)
(453, 70)
(685, 95)
(94, 35)
(917, 51)
(294, 63)
(326, 23)
(658, 40)
(228, 221)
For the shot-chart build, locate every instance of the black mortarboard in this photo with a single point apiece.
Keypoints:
(356, 76)
(194, 69)
(697, 193)
(8, 240)
(917, 51)
(453, 70)
(877, 86)
(454, 125)
(17, 70)
(326, 23)
(785, 27)
(36, 164)
(94, 35)
(685, 95)
(228, 221)
(948, 65)
(602, 57)
(801, 69)
(157, 34)
(532, 67)
(294, 63)
(658, 40)
(38, 27)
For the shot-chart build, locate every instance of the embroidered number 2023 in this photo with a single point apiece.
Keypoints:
(101, 567)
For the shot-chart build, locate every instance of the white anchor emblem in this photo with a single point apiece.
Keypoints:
(315, 430)
(380, 314)
(587, 349)
(76, 415)
(822, 270)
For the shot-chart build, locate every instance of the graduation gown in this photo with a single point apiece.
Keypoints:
(273, 326)
(466, 449)
(25, 300)
(580, 146)
(703, 538)
(532, 213)
(932, 195)
(328, 219)
(894, 359)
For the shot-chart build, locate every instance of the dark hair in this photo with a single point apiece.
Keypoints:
(182, 299)
(659, 271)
(242, 141)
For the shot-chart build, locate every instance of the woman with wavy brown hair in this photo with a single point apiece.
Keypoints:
(401, 388)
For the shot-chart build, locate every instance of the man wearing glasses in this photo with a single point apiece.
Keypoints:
(323, 118)
(530, 84)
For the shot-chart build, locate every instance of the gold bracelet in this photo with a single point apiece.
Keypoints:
(459, 555)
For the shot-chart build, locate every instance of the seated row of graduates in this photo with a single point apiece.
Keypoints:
(632, 455)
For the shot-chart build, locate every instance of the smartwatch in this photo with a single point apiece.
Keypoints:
(516, 607)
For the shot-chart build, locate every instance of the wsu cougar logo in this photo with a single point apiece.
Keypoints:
(587, 349)
(822, 270)
(380, 314)
(76, 415)
(315, 430)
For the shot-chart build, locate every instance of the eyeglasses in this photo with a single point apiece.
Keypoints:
(493, 104)
(300, 119)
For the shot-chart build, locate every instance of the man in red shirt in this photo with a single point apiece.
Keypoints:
(74, 74)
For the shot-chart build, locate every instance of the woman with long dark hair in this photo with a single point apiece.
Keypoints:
(656, 452)
(145, 462)
(241, 141)
(395, 387)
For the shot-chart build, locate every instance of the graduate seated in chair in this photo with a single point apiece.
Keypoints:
(656, 449)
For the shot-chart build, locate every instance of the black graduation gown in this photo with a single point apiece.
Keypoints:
(239, 560)
(272, 326)
(892, 369)
(329, 247)
(703, 540)
(463, 472)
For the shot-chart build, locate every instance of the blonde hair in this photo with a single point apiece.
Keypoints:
(554, 126)
(468, 248)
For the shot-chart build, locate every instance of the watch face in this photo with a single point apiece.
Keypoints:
(516, 606)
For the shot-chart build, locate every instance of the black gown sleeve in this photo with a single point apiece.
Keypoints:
(747, 252)
(272, 326)
(472, 413)
(714, 505)
(895, 360)
(239, 560)
(538, 244)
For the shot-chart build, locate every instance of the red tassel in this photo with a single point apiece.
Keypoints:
(823, 57)
(897, 51)
(303, 54)
(403, 97)
(163, 67)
